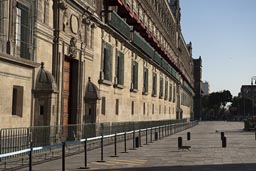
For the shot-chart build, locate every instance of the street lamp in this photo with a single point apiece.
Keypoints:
(253, 79)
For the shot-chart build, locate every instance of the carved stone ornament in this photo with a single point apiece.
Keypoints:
(72, 47)
(74, 24)
(62, 5)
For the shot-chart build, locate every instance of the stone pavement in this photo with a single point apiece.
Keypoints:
(206, 152)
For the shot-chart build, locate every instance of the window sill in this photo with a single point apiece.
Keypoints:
(106, 82)
(118, 86)
(134, 90)
(154, 95)
(145, 93)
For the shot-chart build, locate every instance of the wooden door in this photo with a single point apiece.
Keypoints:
(66, 93)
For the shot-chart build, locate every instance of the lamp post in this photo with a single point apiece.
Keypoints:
(252, 92)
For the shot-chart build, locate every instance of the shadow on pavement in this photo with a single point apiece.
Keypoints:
(223, 167)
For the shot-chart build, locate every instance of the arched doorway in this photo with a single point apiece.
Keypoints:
(91, 97)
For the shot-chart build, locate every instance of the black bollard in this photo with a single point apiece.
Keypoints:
(179, 142)
(85, 156)
(224, 142)
(101, 149)
(115, 150)
(30, 156)
(63, 156)
(140, 138)
(151, 139)
(146, 136)
(133, 141)
(222, 135)
(156, 136)
(137, 144)
(125, 149)
(188, 136)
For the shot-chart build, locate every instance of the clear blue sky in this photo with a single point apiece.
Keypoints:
(223, 33)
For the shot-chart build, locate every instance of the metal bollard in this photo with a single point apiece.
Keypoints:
(188, 136)
(115, 149)
(156, 136)
(125, 149)
(30, 156)
(63, 156)
(151, 139)
(101, 149)
(222, 135)
(224, 142)
(137, 142)
(146, 136)
(85, 156)
(133, 141)
(179, 142)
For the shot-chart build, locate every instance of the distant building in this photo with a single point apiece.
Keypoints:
(205, 88)
(248, 92)
(197, 88)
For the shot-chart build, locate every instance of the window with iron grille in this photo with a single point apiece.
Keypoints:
(145, 81)
(119, 80)
(106, 62)
(17, 100)
(134, 85)
(170, 92)
(166, 90)
(154, 90)
(161, 93)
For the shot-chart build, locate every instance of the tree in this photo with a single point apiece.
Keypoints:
(214, 104)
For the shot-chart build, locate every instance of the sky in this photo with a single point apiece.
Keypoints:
(223, 33)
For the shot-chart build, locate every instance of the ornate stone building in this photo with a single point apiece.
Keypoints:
(85, 61)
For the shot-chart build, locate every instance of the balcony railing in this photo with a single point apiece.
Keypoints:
(119, 25)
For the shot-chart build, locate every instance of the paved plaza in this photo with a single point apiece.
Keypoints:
(206, 153)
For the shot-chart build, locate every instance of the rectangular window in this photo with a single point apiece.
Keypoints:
(17, 101)
(107, 62)
(170, 92)
(22, 31)
(161, 93)
(159, 109)
(144, 108)
(132, 112)
(153, 109)
(46, 12)
(134, 75)
(119, 68)
(103, 105)
(117, 106)
(154, 91)
(174, 93)
(145, 81)
(166, 90)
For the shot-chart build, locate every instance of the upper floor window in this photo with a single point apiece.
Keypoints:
(161, 93)
(134, 85)
(170, 92)
(166, 90)
(154, 90)
(145, 81)
(119, 79)
(23, 31)
(106, 68)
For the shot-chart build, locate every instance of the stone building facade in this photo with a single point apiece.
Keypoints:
(91, 61)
